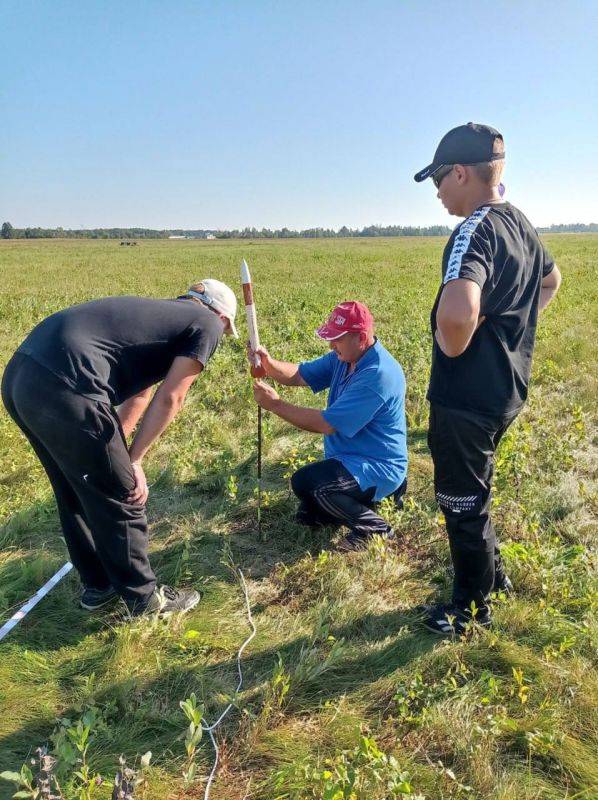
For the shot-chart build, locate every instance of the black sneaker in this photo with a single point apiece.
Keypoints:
(167, 600)
(92, 599)
(306, 518)
(356, 542)
(503, 584)
(453, 621)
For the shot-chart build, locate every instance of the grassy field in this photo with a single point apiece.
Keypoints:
(345, 696)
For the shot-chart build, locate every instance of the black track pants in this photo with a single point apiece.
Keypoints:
(83, 451)
(462, 445)
(331, 494)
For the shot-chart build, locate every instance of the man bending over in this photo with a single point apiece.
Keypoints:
(77, 387)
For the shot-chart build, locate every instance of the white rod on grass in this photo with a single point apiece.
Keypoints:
(33, 601)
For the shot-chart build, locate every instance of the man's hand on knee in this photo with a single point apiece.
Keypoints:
(138, 496)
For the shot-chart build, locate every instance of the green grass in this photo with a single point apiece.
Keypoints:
(340, 680)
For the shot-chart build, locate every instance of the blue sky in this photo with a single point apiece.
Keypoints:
(226, 114)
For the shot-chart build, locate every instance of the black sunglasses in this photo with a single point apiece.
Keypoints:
(441, 174)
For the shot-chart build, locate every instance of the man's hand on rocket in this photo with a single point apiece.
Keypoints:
(264, 360)
(265, 396)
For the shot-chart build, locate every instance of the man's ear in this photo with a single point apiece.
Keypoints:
(460, 174)
(226, 321)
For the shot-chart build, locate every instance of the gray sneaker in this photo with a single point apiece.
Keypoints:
(167, 600)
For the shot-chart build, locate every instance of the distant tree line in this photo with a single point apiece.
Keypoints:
(575, 227)
(8, 232)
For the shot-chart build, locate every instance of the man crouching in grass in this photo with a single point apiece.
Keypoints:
(363, 424)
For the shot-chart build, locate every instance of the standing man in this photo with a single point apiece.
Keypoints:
(496, 277)
(363, 425)
(77, 387)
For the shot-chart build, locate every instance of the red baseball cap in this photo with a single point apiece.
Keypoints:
(348, 317)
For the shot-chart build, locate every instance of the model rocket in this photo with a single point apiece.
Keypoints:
(254, 339)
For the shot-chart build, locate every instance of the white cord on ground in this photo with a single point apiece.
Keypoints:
(33, 601)
(209, 729)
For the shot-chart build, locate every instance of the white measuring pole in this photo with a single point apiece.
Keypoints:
(33, 601)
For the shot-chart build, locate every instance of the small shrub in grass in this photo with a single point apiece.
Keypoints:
(296, 459)
(37, 780)
(414, 698)
(278, 686)
(310, 579)
(194, 713)
(66, 772)
(365, 773)
(417, 521)
(312, 662)
(273, 702)
(127, 780)
(309, 666)
(562, 575)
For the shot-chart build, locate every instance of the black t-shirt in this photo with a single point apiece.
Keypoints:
(497, 248)
(111, 349)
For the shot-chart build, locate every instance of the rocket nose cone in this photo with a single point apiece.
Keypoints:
(245, 276)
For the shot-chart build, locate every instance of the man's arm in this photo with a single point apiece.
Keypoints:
(164, 407)
(549, 287)
(131, 410)
(281, 371)
(307, 419)
(458, 316)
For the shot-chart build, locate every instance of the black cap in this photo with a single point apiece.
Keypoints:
(466, 144)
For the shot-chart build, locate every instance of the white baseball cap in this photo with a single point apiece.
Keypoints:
(218, 296)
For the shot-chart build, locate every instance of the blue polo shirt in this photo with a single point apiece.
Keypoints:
(366, 408)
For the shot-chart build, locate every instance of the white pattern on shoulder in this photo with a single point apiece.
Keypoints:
(461, 243)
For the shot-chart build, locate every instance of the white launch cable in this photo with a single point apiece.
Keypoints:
(209, 729)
